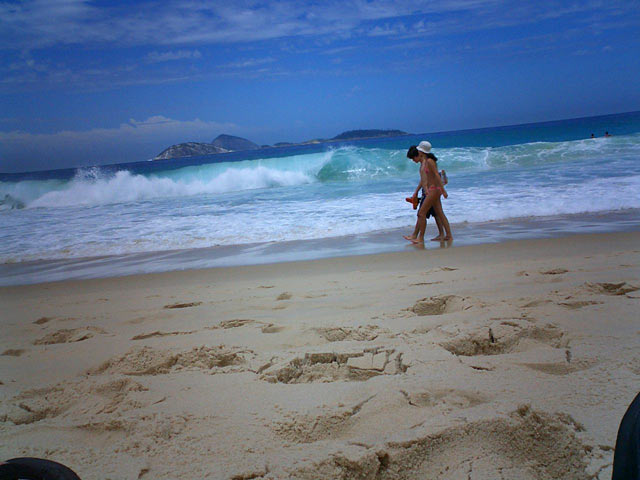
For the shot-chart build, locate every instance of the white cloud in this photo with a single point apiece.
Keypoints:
(158, 57)
(250, 62)
(40, 23)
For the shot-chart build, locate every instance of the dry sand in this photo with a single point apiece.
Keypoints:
(512, 360)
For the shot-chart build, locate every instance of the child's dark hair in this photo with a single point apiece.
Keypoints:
(412, 152)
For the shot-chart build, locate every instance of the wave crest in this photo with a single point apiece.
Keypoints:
(99, 188)
(96, 186)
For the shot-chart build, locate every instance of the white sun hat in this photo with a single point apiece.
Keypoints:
(424, 146)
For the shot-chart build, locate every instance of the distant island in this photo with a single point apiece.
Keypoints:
(189, 149)
(229, 143)
(356, 134)
(234, 144)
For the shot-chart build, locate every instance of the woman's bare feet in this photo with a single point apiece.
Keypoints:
(439, 238)
(411, 238)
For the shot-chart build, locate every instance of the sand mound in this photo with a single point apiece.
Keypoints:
(499, 337)
(150, 361)
(68, 335)
(332, 367)
(442, 304)
(527, 445)
(80, 398)
(361, 333)
(308, 428)
(337, 422)
(610, 288)
(447, 399)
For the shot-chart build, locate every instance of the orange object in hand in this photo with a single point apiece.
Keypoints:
(414, 201)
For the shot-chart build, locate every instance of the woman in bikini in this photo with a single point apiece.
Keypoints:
(431, 183)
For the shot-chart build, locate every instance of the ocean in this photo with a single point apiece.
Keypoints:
(314, 201)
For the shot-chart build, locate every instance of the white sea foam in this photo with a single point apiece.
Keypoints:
(94, 186)
(124, 187)
(344, 191)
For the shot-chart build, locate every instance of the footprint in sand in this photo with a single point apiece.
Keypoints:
(235, 323)
(86, 399)
(271, 328)
(319, 425)
(526, 445)
(242, 322)
(150, 361)
(549, 271)
(69, 335)
(634, 365)
(13, 352)
(535, 303)
(440, 269)
(575, 305)
(144, 336)
(346, 421)
(605, 288)
(333, 367)
(422, 284)
(554, 271)
(442, 304)
(497, 337)
(360, 334)
(182, 305)
(43, 320)
(445, 399)
(561, 368)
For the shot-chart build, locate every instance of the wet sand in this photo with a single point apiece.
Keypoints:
(509, 360)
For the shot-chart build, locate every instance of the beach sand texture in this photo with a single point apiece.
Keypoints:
(514, 360)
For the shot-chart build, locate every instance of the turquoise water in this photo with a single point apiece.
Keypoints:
(315, 192)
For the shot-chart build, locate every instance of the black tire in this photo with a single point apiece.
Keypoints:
(35, 469)
(626, 459)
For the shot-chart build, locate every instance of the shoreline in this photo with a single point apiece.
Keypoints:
(329, 368)
(386, 241)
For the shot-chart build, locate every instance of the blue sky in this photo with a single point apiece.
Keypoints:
(95, 82)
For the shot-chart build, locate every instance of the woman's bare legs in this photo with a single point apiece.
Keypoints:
(443, 218)
(440, 236)
(421, 224)
(414, 235)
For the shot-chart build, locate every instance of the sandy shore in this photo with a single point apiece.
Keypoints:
(511, 360)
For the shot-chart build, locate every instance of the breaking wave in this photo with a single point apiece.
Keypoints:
(96, 186)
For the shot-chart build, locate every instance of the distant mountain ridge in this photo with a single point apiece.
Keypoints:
(189, 149)
(228, 143)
